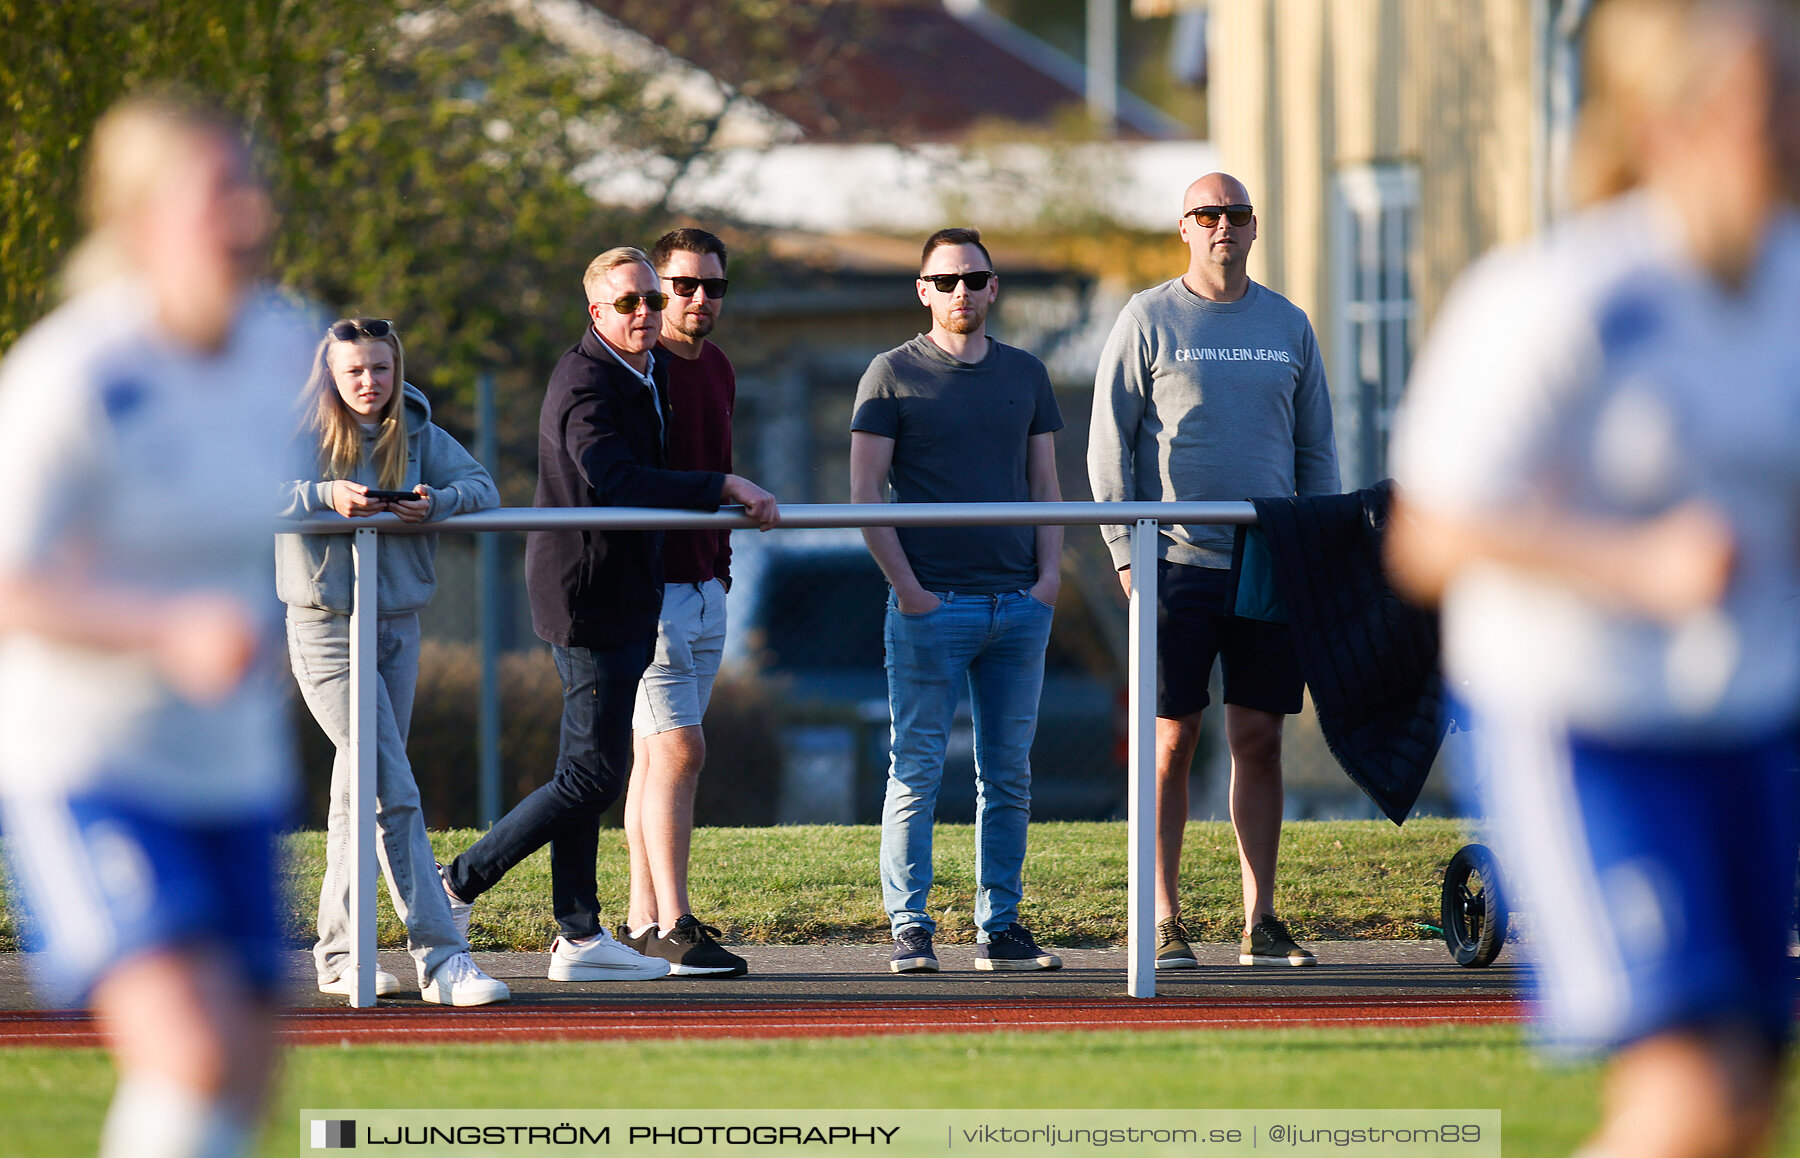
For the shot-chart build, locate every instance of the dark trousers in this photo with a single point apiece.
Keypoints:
(592, 765)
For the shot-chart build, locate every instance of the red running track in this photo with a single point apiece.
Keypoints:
(853, 1019)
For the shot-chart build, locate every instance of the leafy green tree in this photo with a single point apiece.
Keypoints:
(422, 151)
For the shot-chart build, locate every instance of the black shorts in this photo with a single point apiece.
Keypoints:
(1193, 625)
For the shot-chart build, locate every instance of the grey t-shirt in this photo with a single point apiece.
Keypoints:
(1197, 401)
(960, 434)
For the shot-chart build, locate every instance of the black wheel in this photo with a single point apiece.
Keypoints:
(1474, 907)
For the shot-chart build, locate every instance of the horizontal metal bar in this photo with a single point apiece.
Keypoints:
(796, 517)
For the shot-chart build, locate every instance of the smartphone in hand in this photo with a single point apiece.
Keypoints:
(393, 496)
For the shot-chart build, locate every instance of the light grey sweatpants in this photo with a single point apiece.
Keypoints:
(319, 648)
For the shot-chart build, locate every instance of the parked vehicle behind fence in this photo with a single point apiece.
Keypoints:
(806, 610)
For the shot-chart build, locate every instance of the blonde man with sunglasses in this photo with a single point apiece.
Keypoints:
(1211, 388)
(595, 598)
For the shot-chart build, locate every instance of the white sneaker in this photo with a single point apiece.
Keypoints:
(602, 959)
(386, 984)
(459, 981)
(459, 909)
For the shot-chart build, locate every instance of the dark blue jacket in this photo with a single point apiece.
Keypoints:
(600, 444)
(1369, 657)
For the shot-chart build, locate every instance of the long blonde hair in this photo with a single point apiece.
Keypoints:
(1642, 58)
(133, 150)
(339, 430)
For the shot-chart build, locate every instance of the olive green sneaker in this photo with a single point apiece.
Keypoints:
(1269, 943)
(1172, 948)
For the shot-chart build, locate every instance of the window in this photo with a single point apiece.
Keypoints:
(1376, 208)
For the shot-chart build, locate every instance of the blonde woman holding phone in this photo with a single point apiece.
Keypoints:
(377, 451)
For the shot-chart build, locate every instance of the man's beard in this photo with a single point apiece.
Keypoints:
(965, 323)
(694, 326)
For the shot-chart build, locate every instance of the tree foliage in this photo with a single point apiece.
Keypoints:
(422, 152)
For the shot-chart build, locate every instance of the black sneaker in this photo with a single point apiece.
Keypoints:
(623, 936)
(691, 951)
(1013, 948)
(1269, 943)
(912, 952)
(1172, 948)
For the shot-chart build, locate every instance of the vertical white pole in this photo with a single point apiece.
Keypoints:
(363, 869)
(1103, 64)
(1141, 765)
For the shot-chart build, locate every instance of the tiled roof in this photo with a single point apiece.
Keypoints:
(881, 70)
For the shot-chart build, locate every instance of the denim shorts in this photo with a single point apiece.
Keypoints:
(690, 640)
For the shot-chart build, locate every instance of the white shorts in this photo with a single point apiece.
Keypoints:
(690, 640)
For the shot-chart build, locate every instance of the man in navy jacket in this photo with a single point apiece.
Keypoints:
(595, 598)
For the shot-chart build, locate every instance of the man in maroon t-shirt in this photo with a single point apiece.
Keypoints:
(669, 747)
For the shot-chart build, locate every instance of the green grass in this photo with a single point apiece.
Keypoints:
(1339, 879)
(797, 884)
(1545, 1110)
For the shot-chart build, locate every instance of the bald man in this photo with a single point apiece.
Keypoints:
(1211, 389)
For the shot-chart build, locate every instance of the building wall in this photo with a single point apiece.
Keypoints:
(1303, 91)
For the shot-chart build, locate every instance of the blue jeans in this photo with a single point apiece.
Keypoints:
(592, 765)
(994, 643)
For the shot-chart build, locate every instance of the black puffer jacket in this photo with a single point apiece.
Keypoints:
(1370, 659)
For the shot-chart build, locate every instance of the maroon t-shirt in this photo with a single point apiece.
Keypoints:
(702, 393)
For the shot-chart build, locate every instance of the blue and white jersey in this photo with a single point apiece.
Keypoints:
(135, 461)
(1600, 372)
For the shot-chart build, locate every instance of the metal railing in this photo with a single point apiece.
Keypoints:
(1143, 518)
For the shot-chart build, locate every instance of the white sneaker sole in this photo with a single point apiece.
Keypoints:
(914, 965)
(1165, 965)
(466, 996)
(582, 971)
(993, 965)
(707, 970)
(1252, 959)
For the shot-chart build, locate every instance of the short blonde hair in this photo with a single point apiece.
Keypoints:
(612, 259)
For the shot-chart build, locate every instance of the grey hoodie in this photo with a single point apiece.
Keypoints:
(314, 571)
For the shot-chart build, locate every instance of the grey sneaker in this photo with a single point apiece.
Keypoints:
(1269, 943)
(1172, 948)
(913, 952)
(1014, 948)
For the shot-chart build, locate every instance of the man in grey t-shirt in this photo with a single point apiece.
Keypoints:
(954, 416)
(1210, 388)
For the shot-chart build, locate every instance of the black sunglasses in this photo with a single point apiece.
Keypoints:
(1208, 215)
(628, 303)
(946, 282)
(350, 329)
(684, 287)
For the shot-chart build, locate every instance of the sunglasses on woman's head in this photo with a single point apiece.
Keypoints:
(350, 329)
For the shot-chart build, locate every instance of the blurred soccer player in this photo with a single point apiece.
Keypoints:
(144, 751)
(1602, 487)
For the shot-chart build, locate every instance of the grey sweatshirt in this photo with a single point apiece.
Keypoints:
(1201, 401)
(314, 572)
